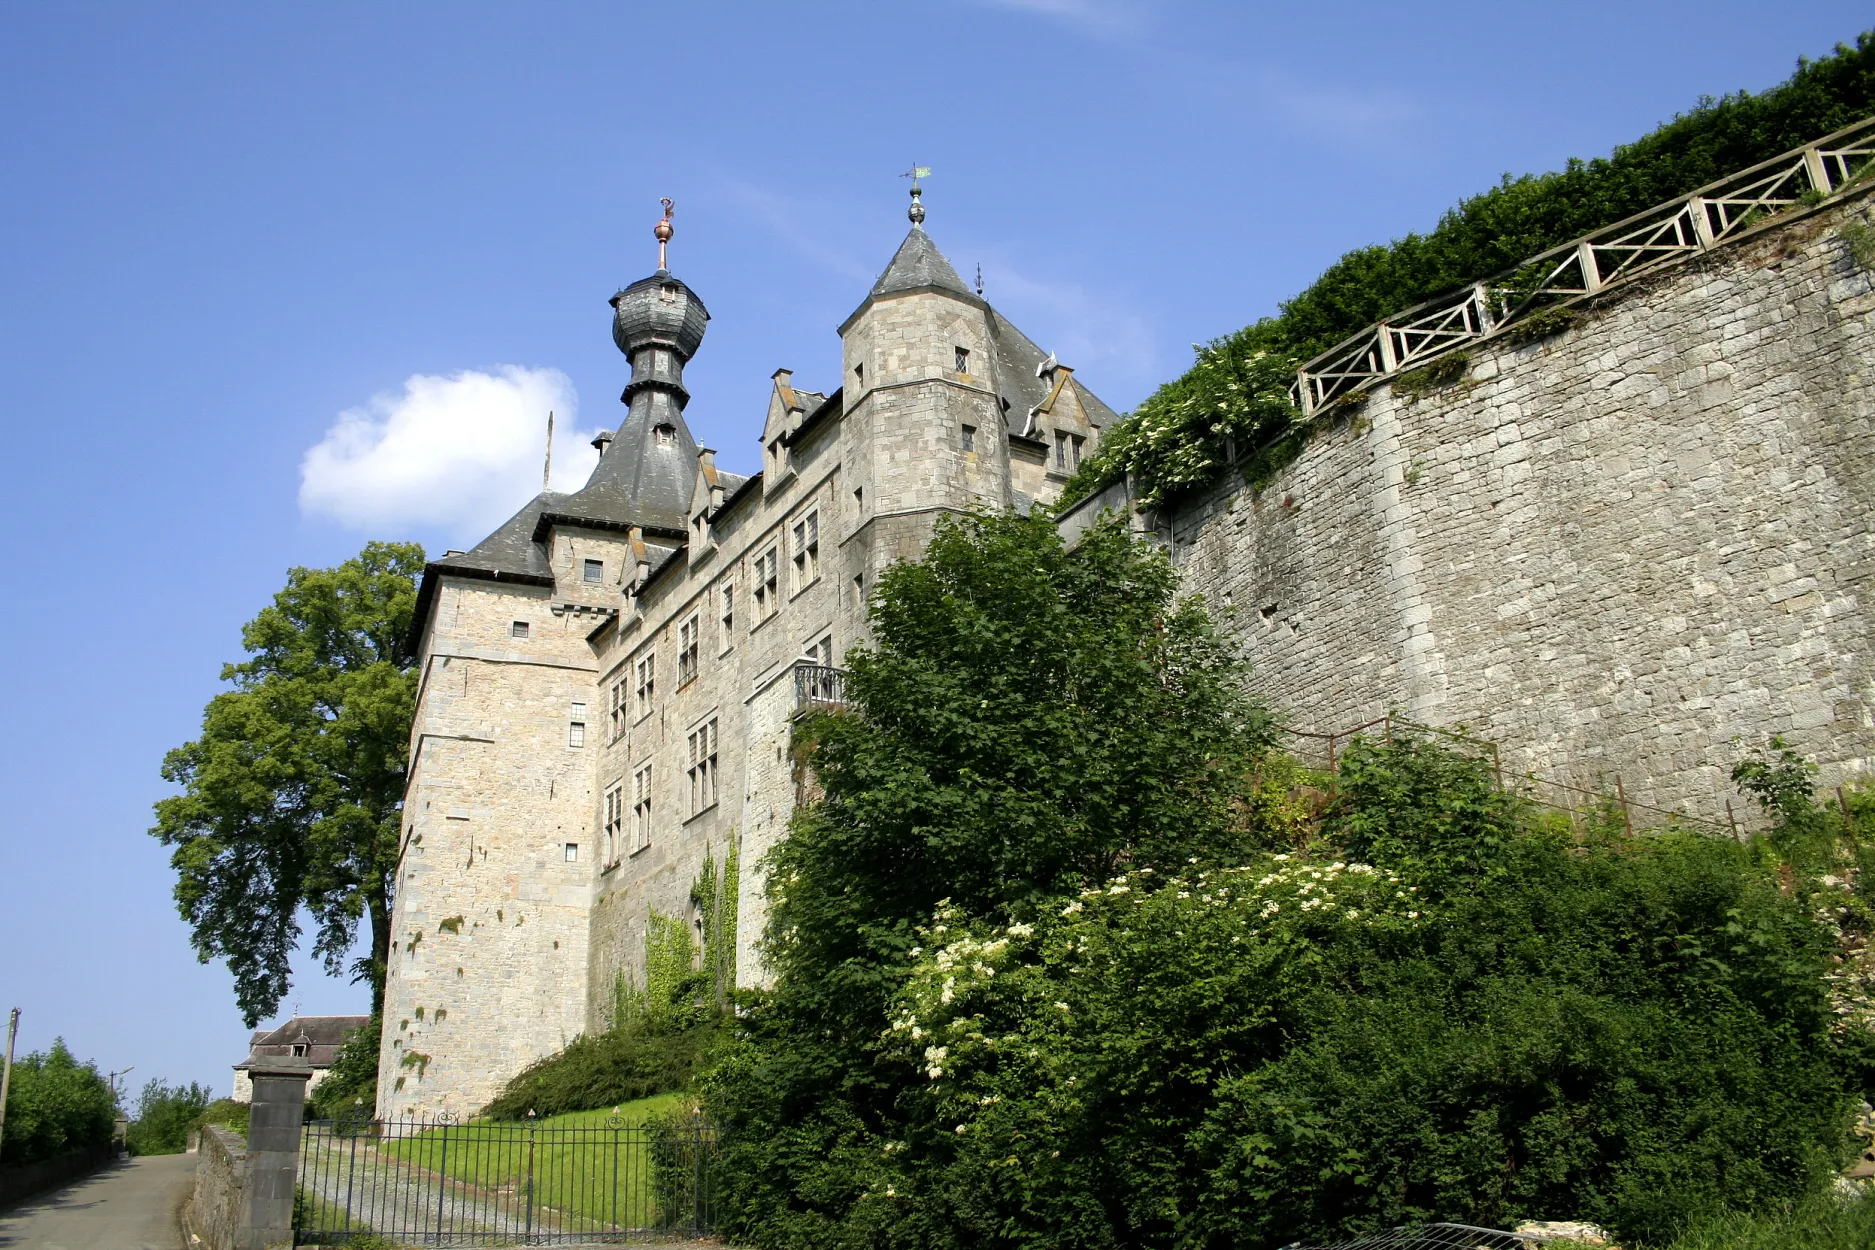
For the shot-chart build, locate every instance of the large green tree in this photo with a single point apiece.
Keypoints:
(1030, 720)
(291, 796)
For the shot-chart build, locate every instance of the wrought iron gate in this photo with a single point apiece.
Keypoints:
(436, 1182)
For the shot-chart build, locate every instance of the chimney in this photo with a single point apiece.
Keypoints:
(640, 558)
(706, 462)
(603, 441)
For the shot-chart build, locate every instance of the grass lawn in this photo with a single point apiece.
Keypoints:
(1826, 1222)
(583, 1169)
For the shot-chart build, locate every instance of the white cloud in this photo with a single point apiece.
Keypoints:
(460, 453)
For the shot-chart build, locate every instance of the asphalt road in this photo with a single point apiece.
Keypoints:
(128, 1206)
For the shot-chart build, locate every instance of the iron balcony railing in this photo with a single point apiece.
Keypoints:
(818, 685)
(1710, 217)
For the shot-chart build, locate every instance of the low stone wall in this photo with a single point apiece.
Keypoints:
(214, 1213)
(22, 1182)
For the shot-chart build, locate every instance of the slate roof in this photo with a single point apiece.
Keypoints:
(320, 1035)
(510, 553)
(1017, 359)
(918, 264)
(640, 480)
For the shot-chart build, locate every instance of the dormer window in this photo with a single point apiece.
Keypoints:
(668, 293)
(299, 1050)
(664, 434)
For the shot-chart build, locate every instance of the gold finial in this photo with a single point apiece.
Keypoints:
(916, 211)
(663, 229)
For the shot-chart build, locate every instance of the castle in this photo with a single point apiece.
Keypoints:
(1623, 548)
(607, 679)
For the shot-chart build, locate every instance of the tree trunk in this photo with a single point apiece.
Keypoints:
(380, 909)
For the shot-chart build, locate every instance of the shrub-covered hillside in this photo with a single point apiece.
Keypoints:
(1070, 956)
(1236, 390)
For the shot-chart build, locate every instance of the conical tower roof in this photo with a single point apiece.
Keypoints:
(918, 265)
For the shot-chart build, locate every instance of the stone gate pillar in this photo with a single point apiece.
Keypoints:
(273, 1138)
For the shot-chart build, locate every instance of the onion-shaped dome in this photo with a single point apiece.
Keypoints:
(659, 311)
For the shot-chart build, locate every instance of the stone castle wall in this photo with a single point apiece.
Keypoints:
(1613, 551)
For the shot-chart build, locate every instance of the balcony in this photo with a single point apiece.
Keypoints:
(818, 686)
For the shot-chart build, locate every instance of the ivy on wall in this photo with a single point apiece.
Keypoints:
(1227, 405)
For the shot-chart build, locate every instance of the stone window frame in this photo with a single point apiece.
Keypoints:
(767, 584)
(726, 615)
(702, 745)
(619, 713)
(968, 437)
(613, 829)
(592, 572)
(804, 536)
(644, 685)
(576, 727)
(519, 630)
(963, 358)
(1068, 447)
(641, 808)
(689, 649)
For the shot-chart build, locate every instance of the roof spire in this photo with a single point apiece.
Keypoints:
(664, 231)
(916, 211)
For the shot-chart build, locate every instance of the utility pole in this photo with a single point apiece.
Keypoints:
(6, 1073)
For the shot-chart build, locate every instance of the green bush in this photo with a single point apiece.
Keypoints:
(55, 1105)
(634, 1060)
(165, 1114)
(1176, 439)
(226, 1113)
(1150, 1003)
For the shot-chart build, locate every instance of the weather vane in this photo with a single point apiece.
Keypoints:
(663, 230)
(916, 211)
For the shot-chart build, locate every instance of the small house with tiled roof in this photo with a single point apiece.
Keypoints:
(310, 1040)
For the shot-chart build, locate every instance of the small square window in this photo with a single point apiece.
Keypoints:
(572, 852)
(970, 438)
(594, 572)
(518, 629)
(963, 359)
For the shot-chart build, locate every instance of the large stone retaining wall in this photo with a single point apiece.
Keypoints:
(1614, 551)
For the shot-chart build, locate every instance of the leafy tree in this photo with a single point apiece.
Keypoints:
(1030, 719)
(55, 1105)
(165, 1114)
(290, 798)
(352, 1080)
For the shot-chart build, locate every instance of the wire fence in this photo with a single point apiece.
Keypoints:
(1434, 1237)
(435, 1182)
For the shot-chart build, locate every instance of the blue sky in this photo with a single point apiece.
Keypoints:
(231, 235)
